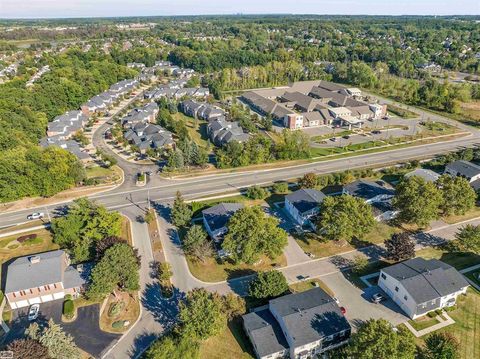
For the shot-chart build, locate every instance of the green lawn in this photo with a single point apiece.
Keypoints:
(197, 129)
(423, 323)
(309, 284)
(401, 112)
(459, 260)
(11, 248)
(473, 213)
(313, 243)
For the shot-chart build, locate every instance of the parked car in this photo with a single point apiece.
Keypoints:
(36, 215)
(378, 297)
(149, 173)
(343, 310)
(346, 137)
(336, 300)
(333, 139)
(33, 312)
(376, 132)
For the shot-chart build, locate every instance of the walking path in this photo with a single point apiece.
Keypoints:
(444, 321)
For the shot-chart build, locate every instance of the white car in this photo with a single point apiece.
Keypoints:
(33, 312)
(36, 215)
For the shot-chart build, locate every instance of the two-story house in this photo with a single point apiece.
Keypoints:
(297, 326)
(420, 286)
(465, 169)
(215, 219)
(303, 204)
(41, 278)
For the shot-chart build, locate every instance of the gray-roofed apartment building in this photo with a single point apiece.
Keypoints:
(300, 325)
(419, 286)
(465, 169)
(41, 278)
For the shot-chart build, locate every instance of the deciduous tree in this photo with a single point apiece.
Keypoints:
(458, 196)
(268, 285)
(468, 238)
(440, 346)
(400, 246)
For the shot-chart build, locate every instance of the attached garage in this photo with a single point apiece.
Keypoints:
(20, 304)
(46, 298)
(34, 300)
(59, 295)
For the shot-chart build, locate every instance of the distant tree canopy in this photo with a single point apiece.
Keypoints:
(25, 169)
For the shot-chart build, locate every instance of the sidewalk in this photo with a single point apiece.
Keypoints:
(443, 323)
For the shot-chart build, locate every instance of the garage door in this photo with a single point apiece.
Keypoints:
(34, 300)
(46, 298)
(58, 295)
(22, 303)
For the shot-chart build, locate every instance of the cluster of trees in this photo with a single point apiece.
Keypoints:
(268, 285)
(83, 227)
(260, 149)
(419, 201)
(377, 339)
(201, 315)
(25, 169)
(48, 342)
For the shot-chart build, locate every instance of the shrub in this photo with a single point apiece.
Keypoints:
(438, 311)
(256, 192)
(68, 308)
(432, 314)
(360, 264)
(26, 237)
(68, 297)
(119, 324)
(115, 309)
(149, 217)
(280, 188)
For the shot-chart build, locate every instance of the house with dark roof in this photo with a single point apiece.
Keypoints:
(144, 114)
(300, 325)
(222, 132)
(41, 278)
(369, 191)
(426, 174)
(146, 135)
(215, 219)
(465, 169)
(304, 204)
(420, 286)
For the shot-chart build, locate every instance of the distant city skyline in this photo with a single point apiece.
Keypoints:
(113, 8)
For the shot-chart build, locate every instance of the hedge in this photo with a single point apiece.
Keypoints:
(68, 308)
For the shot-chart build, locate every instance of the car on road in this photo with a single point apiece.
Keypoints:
(33, 312)
(333, 139)
(346, 137)
(343, 310)
(336, 300)
(149, 173)
(378, 297)
(376, 132)
(36, 215)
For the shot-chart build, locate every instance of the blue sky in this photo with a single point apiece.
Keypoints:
(90, 8)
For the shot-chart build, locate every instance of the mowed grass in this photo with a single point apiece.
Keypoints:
(232, 343)
(459, 260)
(197, 129)
(309, 284)
(467, 324)
(423, 323)
(213, 270)
(312, 243)
(11, 248)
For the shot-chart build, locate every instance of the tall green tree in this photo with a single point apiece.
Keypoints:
(400, 247)
(196, 243)
(268, 285)
(458, 196)
(345, 217)
(201, 315)
(174, 347)
(181, 211)
(252, 234)
(28, 348)
(440, 346)
(418, 201)
(118, 269)
(468, 238)
(377, 339)
(59, 344)
(84, 225)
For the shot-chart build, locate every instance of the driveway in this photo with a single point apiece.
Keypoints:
(357, 301)
(85, 329)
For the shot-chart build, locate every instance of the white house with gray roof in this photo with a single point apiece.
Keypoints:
(298, 326)
(420, 286)
(304, 204)
(215, 219)
(465, 169)
(40, 278)
(426, 174)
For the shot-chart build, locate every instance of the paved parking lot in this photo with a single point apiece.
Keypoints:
(358, 304)
(85, 329)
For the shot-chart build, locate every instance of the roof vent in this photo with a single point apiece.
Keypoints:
(34, 259)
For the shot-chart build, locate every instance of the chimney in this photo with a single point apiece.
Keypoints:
(34, 259)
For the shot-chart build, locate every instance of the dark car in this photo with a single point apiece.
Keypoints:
(346, 137)
(376, 132)
(378, 297)
(333, 139)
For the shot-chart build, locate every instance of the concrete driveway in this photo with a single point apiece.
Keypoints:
(357, 301)
(85, 329)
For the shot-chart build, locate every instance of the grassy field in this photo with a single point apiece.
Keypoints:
(314, 244)
(459, 260)
(423, 323)
(473, 213)
(212, 270)
(11, 248)
(401, 112)
(309, 284)
(232, 343)
(197, 129)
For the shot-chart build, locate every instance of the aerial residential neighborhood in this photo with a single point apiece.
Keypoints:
(264, 180)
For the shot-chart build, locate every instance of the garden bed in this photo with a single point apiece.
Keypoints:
(120, 312)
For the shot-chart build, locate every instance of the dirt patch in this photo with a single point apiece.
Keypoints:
(120, 313)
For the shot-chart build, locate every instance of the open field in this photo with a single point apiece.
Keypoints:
(197, 129)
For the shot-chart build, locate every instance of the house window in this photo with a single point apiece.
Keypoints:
(405, 297)
(384, 276)
(396, 289)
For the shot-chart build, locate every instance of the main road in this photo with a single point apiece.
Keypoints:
(162, 190)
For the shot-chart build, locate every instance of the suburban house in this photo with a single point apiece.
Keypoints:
(420, 286)
(41, 278)
(69, 145)
(222, 132)
(67, 124)
(215, 219)
(427, 175)
(146, 135)
(142, 114)
(297, 326)
(378, 194)
(465, 169)
(303, 204)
